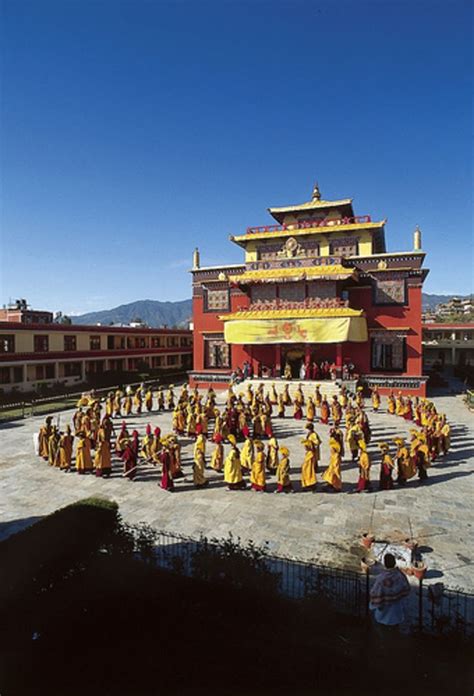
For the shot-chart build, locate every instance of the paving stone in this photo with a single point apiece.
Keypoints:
(318, 525)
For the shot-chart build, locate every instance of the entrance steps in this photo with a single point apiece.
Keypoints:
(326, 386)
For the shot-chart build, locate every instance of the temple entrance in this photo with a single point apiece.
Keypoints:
(294, 357)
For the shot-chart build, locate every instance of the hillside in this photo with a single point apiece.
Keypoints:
(430, 301)
(152, 312)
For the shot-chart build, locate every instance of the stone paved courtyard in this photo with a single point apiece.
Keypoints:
(322, 526)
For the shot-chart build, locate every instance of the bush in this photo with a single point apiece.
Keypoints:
(229, 561)
(37, 558)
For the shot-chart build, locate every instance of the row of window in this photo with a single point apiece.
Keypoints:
(11, 375)
(41, 342)
(386, 354)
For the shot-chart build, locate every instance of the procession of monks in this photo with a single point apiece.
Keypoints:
(245, 422)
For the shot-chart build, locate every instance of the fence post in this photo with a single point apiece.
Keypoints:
(367, 593)
(420, 605)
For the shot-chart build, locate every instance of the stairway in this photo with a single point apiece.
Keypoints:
(327, 387)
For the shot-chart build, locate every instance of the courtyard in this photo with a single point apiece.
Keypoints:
(319, 526)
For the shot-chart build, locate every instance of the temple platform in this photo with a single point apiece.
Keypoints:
(326, 386)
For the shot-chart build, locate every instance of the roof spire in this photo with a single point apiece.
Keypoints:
(417, 239)
(316, 193)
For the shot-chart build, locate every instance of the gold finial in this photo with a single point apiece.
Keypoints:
(316, 193)
(417, 239)
(196, 260)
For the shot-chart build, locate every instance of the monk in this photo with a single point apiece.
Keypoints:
(83, 454)
(336, 410)
(310, 410)
(65, 450)
(166, 479)
(284, 484)
(217, 457)
(324, 410)
(405, 464)
(363, 483)
(375, 399)
(257, 476)
(247, 454)
(272, 455)
(386, 468)
(147, 443)
(281, 406)
(232, 469)
(308, 470)
(315, 441)
(199, 480)
(43, 437)
(391, 405)
(102, 459)
(149, 399)
(332, 475)
(53, 447)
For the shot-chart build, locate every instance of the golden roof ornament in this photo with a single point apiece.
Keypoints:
(417, 239)
(316, 193)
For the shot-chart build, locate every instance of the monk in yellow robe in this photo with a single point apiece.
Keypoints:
(217, 457)
(232, 469)
(318, 397)
(445, 442)
(273, 395)
(399, 405)
(65, 449)
(286, 395)
(147, 444)
(102, 458)
(375, 399)
(190, 424)
(247, 454)
(406, 468)
(281, 406)
(332, 475)
(272, 455)
(364, 468)
(391, 405)
(257, 476)
(310, 410)
(117, 404)
(43, 438)
(53, 445)
(308, 470)
(83, 454)
(199, 465)
(149, 400)
(284, 484)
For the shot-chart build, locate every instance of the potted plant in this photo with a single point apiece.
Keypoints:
(367, 539)
(419, 569)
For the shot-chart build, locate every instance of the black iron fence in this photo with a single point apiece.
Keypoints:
(62, 402)
(433, 609)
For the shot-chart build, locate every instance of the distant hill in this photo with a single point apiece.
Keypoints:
(430, 301)
(152, 312)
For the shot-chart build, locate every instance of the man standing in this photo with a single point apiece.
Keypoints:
(388, 594)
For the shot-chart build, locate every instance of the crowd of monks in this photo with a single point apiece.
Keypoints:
(246, 422)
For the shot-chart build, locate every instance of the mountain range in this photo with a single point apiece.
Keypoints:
(151, 312)
(431, 301)
(156, 313)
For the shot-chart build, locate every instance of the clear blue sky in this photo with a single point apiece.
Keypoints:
(134, 131)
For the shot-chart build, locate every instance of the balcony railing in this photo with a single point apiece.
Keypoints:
(308, 224)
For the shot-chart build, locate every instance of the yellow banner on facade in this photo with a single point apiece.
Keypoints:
(334, 330)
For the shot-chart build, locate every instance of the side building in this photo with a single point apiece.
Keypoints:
(317, 286)
(36, 354)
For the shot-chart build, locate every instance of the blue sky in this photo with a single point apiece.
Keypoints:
(134, 131)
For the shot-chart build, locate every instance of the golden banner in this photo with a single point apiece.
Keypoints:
(335, 330)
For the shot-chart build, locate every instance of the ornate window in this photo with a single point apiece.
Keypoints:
(216, 352)
(292, 292)
(390, 291)
(388, 352)
(347, 246)
(265, 291)
(216, 300)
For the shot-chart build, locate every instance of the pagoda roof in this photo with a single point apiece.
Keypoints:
(318, 312)
(242, 239)
(310, 205)
(275, 275)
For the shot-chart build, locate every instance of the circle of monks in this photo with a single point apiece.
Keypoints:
(246, 423)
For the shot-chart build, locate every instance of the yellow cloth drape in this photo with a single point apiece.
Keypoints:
(264, 331)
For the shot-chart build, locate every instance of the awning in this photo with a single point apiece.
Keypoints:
(267, 331)
(280, 275)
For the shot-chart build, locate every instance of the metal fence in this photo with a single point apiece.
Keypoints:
(432, 609)
(62, 402)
